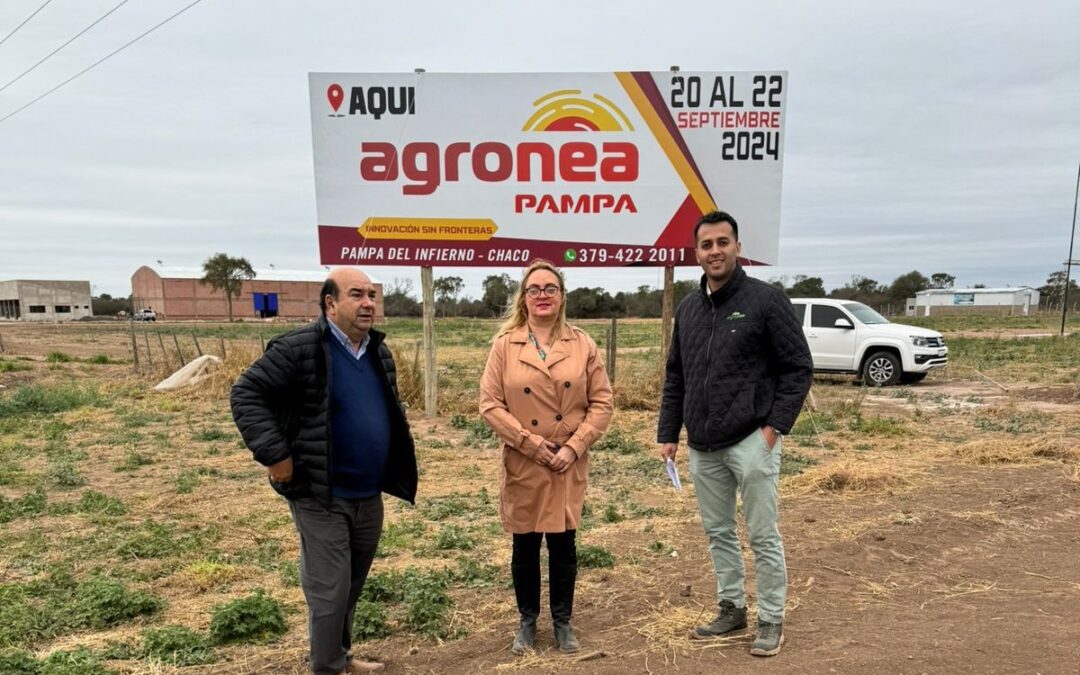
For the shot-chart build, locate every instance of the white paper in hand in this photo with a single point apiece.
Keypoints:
(673, 474)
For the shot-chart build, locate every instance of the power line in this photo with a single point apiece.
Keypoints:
(16, 28)
(99, 61)
(77, 35)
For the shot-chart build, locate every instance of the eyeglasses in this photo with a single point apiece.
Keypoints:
(550, 291)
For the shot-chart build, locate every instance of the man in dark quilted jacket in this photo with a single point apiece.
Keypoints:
(738, 370)
(320, 410)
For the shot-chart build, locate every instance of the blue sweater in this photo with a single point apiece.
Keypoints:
(359, 423)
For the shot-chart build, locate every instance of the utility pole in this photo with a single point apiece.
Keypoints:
(1070, 262)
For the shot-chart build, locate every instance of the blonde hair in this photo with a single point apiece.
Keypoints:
(517, 313)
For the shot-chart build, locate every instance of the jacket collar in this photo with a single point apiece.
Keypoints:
(322, 324)
(559, 351)
(738, 275)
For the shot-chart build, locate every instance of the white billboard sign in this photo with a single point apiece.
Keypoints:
(585, 169)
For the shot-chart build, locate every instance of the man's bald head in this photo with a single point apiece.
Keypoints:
(342, 277)
(349, 302)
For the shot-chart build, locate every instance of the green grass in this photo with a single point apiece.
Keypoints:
(792, 463)
(399, 535)
(79, 661)
(177, 645)
(187, 481)
(1043, 322)
(7, 366)
(810, 424)
(27, 506)
(94, 502)
(590, 557)
(1049, 359)
(619, 441)
(133, 460)
(876, 425)
(37, 399)
(1013, 421)
(213, 434)
(369, 621)
(454, 537)
(428, 605)
(152, 539)
(101, 602)
(63, 475)
(54, 604)
(256, 619)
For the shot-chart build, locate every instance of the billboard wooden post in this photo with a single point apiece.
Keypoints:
(134, 345)
(427, 283)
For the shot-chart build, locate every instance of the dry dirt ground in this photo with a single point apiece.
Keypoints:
(937, 531)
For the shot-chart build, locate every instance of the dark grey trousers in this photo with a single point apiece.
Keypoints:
(337, 545)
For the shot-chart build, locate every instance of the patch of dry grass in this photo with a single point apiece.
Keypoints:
(989, 451)
(850, 476)
(638, 384)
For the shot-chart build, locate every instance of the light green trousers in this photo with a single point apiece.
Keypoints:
(750, 468)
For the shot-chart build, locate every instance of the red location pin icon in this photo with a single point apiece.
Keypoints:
(335, 95)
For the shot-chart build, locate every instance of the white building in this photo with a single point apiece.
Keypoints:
(1015, 301)
(34, 300)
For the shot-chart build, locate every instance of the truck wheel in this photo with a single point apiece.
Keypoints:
(912, 378)
(882, 369)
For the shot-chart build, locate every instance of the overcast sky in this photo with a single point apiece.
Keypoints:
(919, 135)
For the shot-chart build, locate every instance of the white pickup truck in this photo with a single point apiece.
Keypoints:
(849, 337)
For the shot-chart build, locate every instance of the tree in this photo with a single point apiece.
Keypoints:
(681, 289)
(861, 289)
(591, 303)
(807, 287)
(106, 305)
(446, 291)
(398, 299)
(779, 283)
(1053, 292)
(497, 291)
(906, 286)
(942, 280)
(228, 275)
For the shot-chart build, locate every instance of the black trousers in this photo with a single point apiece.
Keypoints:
(562, 573)
(337, 545)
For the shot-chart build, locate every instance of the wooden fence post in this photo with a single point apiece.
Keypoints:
(179, 353)
(613, 333)
(431, 396)
(134, 345)
(149, 354)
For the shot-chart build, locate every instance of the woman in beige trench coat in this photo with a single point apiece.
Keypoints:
(546, 394)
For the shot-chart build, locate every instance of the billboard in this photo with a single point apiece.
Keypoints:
(585, 169)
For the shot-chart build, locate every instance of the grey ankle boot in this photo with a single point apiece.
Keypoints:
(565, 639)
(525, 638)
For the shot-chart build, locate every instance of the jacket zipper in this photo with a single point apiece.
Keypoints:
(708, 365)
(329, 411)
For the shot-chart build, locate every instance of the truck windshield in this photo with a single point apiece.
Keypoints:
(864, 313)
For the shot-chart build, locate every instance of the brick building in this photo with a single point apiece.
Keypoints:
(176, 293)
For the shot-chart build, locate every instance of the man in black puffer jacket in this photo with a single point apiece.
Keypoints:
(320, 409)
(738, 370)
